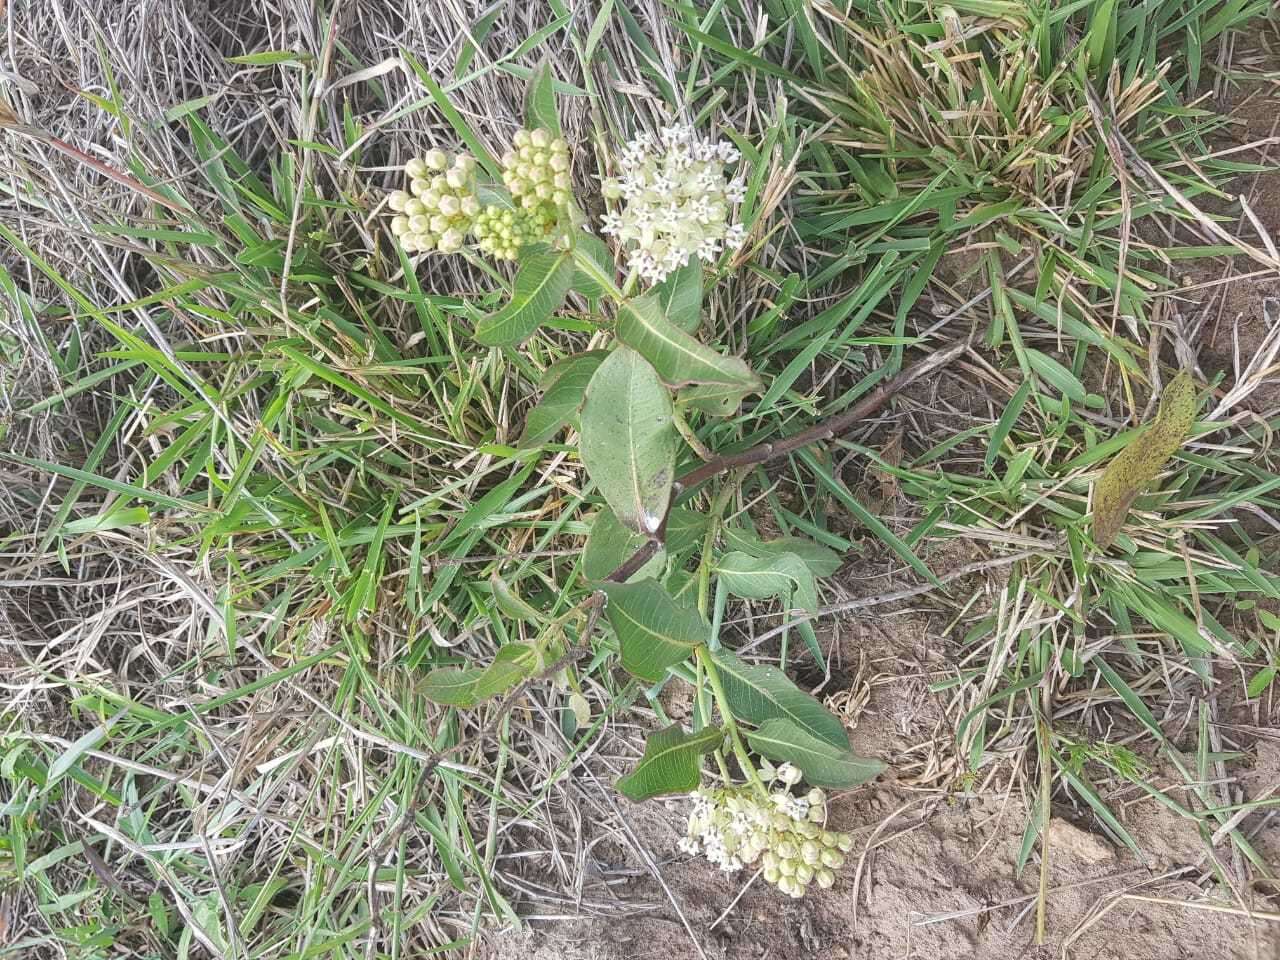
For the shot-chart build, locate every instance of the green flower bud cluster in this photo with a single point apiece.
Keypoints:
(736, 826)
(501, 232)
(440, 207)
(536, 171)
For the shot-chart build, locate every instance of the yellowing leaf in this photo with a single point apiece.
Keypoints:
(1142, 460)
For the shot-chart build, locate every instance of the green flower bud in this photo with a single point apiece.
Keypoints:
(399, 225)
(450, 205)
(470, 206)
(439, 223)
(560, 198)
(771, 875)
(810, 852)
(419, 187)
(456, 179)
(465, 164)
(419, 224)
(844, 842)
(437, 159)
(510, 159)
(804, 873)
(612, 190)
(826, 879)
(416, 168)
(539, 158)
(785, 884)
(786, 849)
(832, 858)
(397, 199)
(540, 138)
(526, 153)
(415, 207)
(787, 868)
(543, 191)
(561, 181)
(559, 163)
(816, 797)
(521, 138)
(559, 146)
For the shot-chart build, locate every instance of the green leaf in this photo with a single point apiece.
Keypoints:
(757, 578)
(680, 297)
(823, 765)
(1260, 681)
(1142, 459)
(111, 520)
(672, 763)
(563, 387)
(540, 289)
(540, 100)
(713, 399)
(679, 359)
(629, 440)
(609, 544)
(821, 561)
(653, 631)
(598, 252)
(760, 693)
(510, 602)
(468, 686)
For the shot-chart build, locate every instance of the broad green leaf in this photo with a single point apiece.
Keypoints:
(1142, 459)
(609, 544)
(540, 289)
(598, 252)
(510, 602)
(629, 441)
(760, 693)
(468, 686)
(680, 297)
(654, 632)
(822, 561)
(713, 399)
(672, 763)
(540, 100)
(679, 359)
(823, 765)
(111, 520)
(783, 575)
(563, 387)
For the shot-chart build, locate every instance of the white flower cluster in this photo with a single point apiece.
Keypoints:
(677, 201)
(443, 204)
(735, 826)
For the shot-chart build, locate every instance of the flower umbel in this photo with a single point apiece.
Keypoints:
(735, 826)
(440, 207)
(677, 201)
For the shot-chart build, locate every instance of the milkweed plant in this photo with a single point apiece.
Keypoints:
(674, 204)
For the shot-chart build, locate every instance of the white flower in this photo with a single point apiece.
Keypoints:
(677, 199)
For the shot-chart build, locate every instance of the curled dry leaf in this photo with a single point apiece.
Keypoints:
(1145, 456)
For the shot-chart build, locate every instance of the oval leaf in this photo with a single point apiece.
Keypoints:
(1142, 459)
(540, 289)
(598, 252)
(822, 561)
(823, 765)
(672, 763)
(629, 441)
(654, 632)
(756, 578)
(540, 100)
(760, 693)
(563, 387)
(609, 544)
(468, 686)
(679, 359)
(680, 297)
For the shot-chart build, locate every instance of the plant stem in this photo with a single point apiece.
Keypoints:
(722, 701)
(764, 452)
